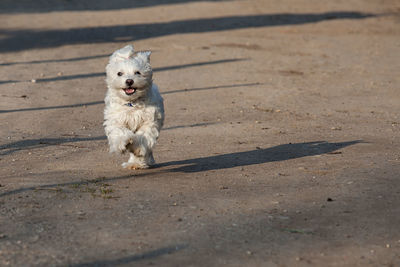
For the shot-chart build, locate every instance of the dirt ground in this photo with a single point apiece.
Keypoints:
(281, 145)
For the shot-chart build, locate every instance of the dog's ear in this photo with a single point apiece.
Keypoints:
(145, 55)
(122, 54)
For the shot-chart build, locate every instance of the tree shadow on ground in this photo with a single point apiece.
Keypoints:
(10, 148)
(8, 81)
(102, 102)
(43, 142)
(17, 40)
(40, 6)
(134, 258)
(219, 162)
(73, 59)
(210, 88)
(103, 74)
(54, 107)
(168, 68)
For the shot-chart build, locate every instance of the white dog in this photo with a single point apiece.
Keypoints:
(134, 110)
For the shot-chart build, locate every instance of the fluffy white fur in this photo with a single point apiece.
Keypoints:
(134, 110)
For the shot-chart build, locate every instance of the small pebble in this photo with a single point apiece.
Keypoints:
(33, 81)
(35, 238)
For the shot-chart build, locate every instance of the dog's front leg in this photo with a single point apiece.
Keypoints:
(119, 138)
(144, 142)
(148, 134)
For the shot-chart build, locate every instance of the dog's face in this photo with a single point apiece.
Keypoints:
(129, 74)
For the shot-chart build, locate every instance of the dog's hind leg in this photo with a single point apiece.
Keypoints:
(150, 159)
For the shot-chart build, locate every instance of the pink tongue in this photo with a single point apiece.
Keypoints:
(129, 91)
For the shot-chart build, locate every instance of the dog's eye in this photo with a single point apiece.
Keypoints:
(119, 73)
(137, 72)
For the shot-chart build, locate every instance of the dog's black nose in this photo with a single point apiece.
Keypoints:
(129, 82)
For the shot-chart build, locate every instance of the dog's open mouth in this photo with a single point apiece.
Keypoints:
(129, 90)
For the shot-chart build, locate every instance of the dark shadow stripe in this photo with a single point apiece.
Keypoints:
(54, 107)
(53, 60)
(45, 6)
(224, 161)
(189, 126)
(9, 81)
(102, 102)
(100, 74)
(18, 40)
(103, 74)
(134, 258)
(209, 88)
(43, 142)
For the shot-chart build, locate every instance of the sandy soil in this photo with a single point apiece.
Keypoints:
(281, 145)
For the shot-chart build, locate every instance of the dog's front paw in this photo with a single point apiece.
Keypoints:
(135, 165)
